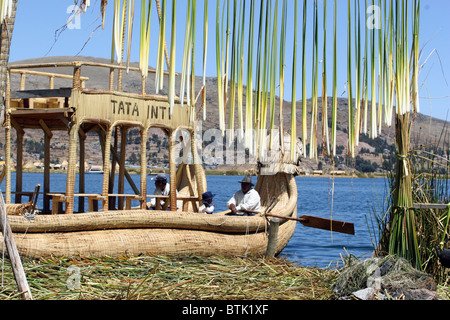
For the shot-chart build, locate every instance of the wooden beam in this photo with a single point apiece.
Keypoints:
(81, 172)
(144, 135)
(46, 74)
(19, 166)
(112, 200)
(123, 143)
(17, 126)
(46, 129)
(47, 141)
(13, 253)
(172, 172)
(430, 206)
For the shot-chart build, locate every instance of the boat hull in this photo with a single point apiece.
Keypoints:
(155, 241)
(135, 232)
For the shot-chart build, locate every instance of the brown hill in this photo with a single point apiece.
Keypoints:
(425, 129)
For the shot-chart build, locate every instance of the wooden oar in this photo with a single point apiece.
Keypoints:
(321, 223)
(316, 222)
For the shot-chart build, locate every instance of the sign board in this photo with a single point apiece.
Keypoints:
(117, 106)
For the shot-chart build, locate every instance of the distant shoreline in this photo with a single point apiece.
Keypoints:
(229, 173)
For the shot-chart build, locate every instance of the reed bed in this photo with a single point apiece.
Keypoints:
(167, 278)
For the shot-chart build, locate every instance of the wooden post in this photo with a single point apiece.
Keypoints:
(82, 169)
(19, 165)
(144, 134)
(13, 253)
(76, 75)
(123, 145)
(8, 158)
(201, 188)
(106, 167)
(47, 139)
(71, 171)
(172, 172)
(273, 237)
(112, 173)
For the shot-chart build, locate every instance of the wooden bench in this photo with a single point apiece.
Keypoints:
(128, 198)
(59, 198)
(186, 199)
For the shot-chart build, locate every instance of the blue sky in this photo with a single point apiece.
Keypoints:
(37, 23)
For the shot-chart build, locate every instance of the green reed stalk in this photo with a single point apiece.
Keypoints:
(265, 81)
(186, 50)
(205, 50)
(130, 21)
(351, 124)
(380, 68)
(219, 72)
(118, 25)
(366, 74)
(294, 83)
(249, 94)
(191, 83)
(282, 70)
(146, 9)
(315, 62)
(240, 71)
(373, 118)
(389, 70)
(171, 92)
(227, 58)
(325, 135)
(334, 106)
(259, 77)
(357, 72)
(304, 99)
(273, 76)
(416, 54)
(233, 75)
(159, 79)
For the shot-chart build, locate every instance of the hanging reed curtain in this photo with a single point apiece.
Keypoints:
(251, 42)
(385, 75)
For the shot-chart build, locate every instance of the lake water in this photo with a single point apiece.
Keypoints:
(354, 201)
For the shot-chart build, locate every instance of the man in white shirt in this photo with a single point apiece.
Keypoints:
(162, 188)
(245, 200)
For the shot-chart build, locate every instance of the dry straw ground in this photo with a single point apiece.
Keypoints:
(164, 278)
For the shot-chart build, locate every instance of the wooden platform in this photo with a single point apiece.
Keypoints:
(77, 110)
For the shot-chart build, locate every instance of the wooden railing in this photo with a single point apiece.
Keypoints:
(51, 77)
(78, 80)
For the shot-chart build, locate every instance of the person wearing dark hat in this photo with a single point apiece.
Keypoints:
(162, 188)
(245, 200)
(207, 204)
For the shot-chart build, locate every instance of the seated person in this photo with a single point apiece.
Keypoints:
(245, 201)
(162, 188)
(207, 204)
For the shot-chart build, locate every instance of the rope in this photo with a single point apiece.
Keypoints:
(30, 217)
(403, 158)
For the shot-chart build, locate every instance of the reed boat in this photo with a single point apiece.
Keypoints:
(111, 225)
